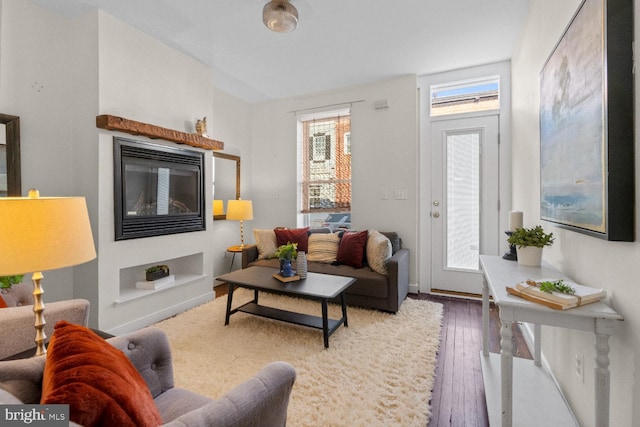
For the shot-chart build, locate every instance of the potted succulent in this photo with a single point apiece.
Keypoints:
(287, 253)
(156, 272)
(529, 243)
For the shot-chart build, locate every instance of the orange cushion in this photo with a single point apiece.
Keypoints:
(3, 304)
(96, 380)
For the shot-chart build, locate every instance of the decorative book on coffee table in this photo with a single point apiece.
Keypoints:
(583, 295)
(284, 279)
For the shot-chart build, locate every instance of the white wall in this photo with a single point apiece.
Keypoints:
(57, 75)
(231, 123)
(35, 84)
(384, 145)
(594, 262)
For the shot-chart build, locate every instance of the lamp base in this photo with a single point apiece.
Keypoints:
(512, 255)
(38, 309)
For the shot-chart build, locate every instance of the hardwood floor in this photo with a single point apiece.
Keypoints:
(458, 394)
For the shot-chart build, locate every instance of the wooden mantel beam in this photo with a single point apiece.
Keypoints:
(132, 127)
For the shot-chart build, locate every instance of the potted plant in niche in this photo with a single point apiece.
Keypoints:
(529, 243)
(156, 272)
(287, 253)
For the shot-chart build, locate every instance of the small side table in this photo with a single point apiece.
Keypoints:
(234, 250)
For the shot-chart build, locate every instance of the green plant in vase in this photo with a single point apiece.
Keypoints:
(535, 236)
(529, 243)
(287, 253)
(7, 281)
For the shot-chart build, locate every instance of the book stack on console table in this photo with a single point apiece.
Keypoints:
(583, 295)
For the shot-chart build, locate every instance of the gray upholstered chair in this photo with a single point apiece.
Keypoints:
(260, 401)
(17, 333)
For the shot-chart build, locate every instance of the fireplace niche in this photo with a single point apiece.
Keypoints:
(158, 190)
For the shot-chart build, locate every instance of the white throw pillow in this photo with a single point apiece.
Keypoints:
(266, 243)
(323, 247)
(378, 251)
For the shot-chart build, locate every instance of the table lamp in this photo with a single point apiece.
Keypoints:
(43, 233)
(240, 210)
(218, 207)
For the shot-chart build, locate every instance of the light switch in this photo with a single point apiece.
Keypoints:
(401, 194)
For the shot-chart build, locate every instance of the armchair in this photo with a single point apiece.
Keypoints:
(262, 400)
(17, 332)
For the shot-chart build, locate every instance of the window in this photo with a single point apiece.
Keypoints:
(465, 97)
(326, 166)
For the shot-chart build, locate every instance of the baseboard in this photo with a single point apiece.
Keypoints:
(167, 312)
(414, 288)
(455, 294)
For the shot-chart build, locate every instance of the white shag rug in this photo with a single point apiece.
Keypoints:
(377, 372)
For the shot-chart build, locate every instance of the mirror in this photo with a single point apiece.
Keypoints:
(10, 178)
(225, 187)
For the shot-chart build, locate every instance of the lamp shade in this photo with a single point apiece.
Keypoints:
(280, 16)
(38, 234)
(218, 207)
(239, 210)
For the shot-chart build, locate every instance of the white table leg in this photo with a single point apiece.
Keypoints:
(537, 344)
(485, 317)
(506, 372)
(604, 328)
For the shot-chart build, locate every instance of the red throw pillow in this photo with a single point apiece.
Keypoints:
(97, 381)
(3, 303)
(293, 235)
(351, 249)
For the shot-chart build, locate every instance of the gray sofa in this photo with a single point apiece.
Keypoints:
(371, 289)
(261, 400)
(17, 333)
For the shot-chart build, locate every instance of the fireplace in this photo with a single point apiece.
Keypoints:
(158, 189)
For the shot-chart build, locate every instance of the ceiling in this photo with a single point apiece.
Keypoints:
(338, 43)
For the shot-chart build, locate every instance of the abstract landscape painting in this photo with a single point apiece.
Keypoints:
(572, 125)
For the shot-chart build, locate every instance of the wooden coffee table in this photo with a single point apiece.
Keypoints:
(319, 287)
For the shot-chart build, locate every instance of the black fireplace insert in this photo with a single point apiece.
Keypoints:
(158, 189)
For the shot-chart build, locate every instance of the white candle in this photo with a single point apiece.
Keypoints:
(515, 220)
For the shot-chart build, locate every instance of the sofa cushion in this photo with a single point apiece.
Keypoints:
(293, 235)
(266, 242)
(351, 249)
(396, 241)
(2, 303)
(100, 384)
(323, 247)
(378, 251)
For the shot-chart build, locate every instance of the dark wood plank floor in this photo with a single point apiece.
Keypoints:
(458, 394)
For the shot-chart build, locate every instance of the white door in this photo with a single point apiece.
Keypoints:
(465, 200)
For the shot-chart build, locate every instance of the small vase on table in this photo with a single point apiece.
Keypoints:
(301, 265)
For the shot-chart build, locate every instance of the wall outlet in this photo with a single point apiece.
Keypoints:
(580, 366)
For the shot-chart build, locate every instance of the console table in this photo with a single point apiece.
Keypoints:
(544, 401)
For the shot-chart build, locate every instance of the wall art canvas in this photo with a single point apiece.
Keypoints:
(586, 126)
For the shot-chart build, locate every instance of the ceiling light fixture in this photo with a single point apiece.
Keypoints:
(280, 16)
